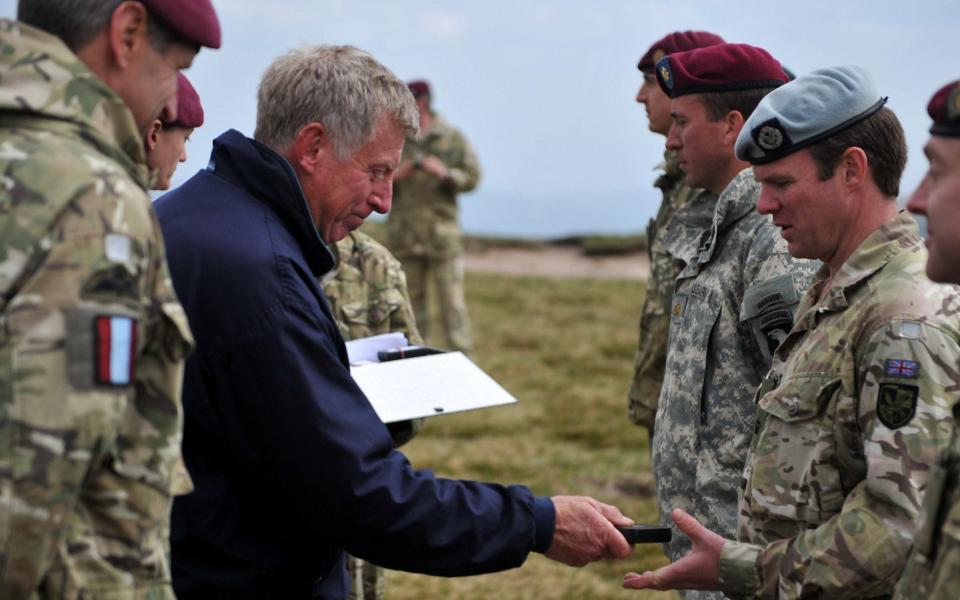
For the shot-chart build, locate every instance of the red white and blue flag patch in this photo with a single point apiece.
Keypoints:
(116, 350)
(898, 367)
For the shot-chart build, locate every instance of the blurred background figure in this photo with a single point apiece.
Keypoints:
(423, 230)
(166, 141)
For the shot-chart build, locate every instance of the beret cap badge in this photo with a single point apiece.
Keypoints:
(769, 137)
(665, 74)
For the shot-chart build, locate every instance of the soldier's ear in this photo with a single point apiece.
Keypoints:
(734, 123)
(153, 135)
(854, 166)
(127, 32)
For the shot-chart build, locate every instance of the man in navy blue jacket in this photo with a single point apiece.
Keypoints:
(290, 463)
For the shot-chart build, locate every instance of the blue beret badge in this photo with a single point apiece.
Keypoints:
(770, 135)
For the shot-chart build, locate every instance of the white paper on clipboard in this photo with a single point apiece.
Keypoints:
(426, 386)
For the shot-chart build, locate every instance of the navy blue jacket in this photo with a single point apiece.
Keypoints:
(289, 461)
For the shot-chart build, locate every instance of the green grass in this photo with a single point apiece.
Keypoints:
(564, 348)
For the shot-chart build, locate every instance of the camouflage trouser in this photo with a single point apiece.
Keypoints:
(366, 579)
(446, 273)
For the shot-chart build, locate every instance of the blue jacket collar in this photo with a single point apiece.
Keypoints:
(270, 178)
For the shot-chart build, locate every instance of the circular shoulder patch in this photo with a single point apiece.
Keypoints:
(896, 404)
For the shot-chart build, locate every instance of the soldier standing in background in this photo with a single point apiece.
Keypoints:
(933, 568)
(857, 405)
(93, 339)
(651, 355)
(422, 228)
(166, 141)
(368, 296)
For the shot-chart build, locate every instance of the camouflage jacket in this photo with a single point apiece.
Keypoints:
(423, 219)
(368, 291)
(933, 568)
(854, 411)
(651, 355)
(93, 338)
(717, 352)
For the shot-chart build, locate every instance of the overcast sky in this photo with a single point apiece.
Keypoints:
(545, 88)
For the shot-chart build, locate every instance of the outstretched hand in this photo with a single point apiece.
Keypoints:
(699, 570)
(585, 531)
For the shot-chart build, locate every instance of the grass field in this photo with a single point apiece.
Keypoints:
(564, 348)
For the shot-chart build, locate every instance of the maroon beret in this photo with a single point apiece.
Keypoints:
(419, 88)
(720, 68)
(944, 109)
(678, 41)
(189, 110)
(194, 20)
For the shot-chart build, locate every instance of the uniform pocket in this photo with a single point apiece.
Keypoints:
(794, 475)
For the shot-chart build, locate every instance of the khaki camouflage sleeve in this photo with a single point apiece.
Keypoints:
(651, 355)
(464, 174)
(649, 363)
(907, 372)
(403, 319)
(739, 571)
(84, 490)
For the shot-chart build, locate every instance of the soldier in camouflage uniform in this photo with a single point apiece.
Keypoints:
(651, 355)
(857, 405)
(733, 299)
(422, 227)
(368, 296)
(93, 339)
(933, 568)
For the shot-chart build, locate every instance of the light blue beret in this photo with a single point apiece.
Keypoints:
(807, 110)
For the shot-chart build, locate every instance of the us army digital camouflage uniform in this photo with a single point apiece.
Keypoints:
(733, 302)
(368, 296)
(423, 231)
(91, 423)
(933, 568)
(651, 355)
(854, 412)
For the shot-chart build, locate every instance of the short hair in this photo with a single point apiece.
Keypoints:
(77, 22)
(342, 87)
(719, 104)
(881, 138)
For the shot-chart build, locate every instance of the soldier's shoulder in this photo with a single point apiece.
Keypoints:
(372, 258)
(46, 171)
(903, 291)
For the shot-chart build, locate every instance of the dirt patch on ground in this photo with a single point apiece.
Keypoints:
(557, 261)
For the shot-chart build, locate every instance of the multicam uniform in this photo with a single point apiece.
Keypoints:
(368, 290)
(733, 301)
(93, 339)
(933, 568)
(368, 296)
(423, 231)
(855, 410)
(651, 355)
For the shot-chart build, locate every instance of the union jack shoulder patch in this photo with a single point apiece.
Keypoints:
(899, 367)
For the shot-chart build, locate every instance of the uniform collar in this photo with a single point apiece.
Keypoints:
(737, 200)
(871, 256)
